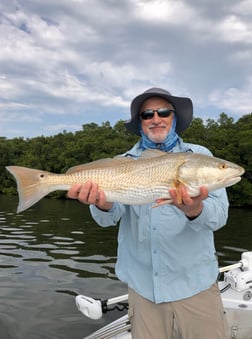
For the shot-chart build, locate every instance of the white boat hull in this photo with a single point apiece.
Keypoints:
(238, 307)
(236, 293)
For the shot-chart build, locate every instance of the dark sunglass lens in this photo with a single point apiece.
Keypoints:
(164, 112)
(148, 114)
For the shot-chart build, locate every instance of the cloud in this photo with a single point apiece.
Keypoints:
(237, 100)
(235, 29)
(66, 59)
(164, 11)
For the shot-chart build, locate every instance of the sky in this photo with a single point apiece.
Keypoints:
(65, 63)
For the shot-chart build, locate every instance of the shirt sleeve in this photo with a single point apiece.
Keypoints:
(107, 218)
(215, 212)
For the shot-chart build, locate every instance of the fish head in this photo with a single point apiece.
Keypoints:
(211, 172)
(227, 173)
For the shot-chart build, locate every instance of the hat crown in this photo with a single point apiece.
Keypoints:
(157, 90)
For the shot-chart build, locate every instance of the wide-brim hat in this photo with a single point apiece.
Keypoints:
(183, 109)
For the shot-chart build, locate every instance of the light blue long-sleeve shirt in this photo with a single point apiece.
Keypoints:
(162, 254)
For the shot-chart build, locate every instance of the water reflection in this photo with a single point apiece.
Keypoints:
(235, 237)
(48, 254)
(66, 243)
(54, 251)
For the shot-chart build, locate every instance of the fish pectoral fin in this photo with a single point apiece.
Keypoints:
(178, 182)
(177, 185)
(161, 202)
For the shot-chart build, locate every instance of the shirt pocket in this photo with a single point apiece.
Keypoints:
(171, 219)
(140, 223)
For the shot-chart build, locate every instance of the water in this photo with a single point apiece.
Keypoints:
(55, 251)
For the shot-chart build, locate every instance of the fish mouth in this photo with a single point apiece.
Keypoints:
(241, 171)
(235, 178)
(232, 181)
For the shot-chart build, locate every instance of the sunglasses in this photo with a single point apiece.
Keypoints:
(162, 113)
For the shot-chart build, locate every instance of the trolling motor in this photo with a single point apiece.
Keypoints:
(240, 278)
(94, 308)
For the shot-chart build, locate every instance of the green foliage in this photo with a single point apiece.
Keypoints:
(231, 141)
(225, 138)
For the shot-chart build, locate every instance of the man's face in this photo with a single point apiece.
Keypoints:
(157, 127)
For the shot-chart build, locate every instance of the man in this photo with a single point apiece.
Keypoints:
(166, 255)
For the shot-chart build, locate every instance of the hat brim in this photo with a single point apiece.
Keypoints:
(183, 110)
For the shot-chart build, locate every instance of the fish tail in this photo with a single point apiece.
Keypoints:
(29, 185)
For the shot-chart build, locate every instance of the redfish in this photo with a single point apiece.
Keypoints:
(129, 181)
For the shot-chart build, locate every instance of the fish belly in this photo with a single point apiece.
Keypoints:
(137, 195)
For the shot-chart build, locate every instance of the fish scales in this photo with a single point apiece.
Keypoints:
(127, 184)
(130, 181)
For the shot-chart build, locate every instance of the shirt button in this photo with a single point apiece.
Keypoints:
(155, 252)
(154, 228)
(156, 274)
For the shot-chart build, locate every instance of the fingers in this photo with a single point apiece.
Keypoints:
(87, 193)
(191, 207)
(74, 191)
(181, 196)
(203, 193)
(90, 194)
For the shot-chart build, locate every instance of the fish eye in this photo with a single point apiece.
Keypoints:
(42, 176)
(223, 165)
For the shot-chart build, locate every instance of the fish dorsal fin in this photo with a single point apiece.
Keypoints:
(116, 161)
(151, 153)
(102, 163)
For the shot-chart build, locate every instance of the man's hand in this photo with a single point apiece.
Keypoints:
(192, 207)
(90, 194)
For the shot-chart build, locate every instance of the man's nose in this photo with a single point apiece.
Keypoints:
(156, 117)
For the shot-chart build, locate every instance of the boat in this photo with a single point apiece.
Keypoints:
(235, 286)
